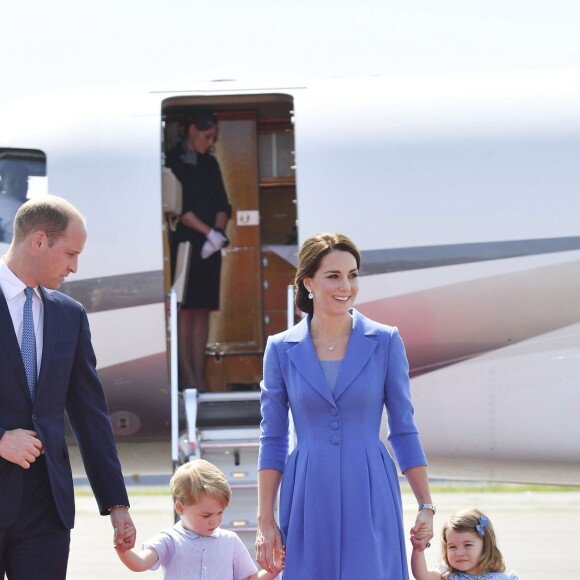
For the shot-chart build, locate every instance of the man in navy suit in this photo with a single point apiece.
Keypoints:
(36, 486)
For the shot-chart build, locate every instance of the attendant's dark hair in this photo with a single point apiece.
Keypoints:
(48, 213)
(309, 258)
(203, 119)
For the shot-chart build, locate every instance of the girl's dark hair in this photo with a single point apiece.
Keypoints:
(309, 258)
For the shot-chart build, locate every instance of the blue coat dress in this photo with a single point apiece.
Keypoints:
(340, 503)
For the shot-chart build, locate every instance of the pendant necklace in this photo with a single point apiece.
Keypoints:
(333, 341)
(330, 346)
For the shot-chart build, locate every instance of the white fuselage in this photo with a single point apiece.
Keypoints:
(462, 194)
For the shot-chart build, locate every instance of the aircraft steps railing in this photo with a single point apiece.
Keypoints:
(223, 428)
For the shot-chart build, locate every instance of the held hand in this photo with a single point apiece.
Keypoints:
(124, 534)
(270, 552)
(418, 545)
(130, 538)
(422, 531)
(215, 241)
(21, 446)
(279, 560)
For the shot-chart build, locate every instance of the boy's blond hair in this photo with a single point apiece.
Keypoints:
(194, 479)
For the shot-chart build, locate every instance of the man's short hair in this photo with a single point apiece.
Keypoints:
(195, 479)
(48, 213)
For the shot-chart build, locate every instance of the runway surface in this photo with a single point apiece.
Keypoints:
(537, 530)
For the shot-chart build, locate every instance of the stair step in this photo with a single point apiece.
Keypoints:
(230, 445)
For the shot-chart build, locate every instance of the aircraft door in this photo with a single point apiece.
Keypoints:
(235, 342)
(255, 152)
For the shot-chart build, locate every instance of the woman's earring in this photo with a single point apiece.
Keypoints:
(310, 295)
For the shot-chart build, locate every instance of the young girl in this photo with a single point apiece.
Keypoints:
(468, 548)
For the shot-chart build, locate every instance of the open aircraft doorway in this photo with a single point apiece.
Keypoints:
(255, 152)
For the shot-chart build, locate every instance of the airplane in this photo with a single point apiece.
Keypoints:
(461, 190)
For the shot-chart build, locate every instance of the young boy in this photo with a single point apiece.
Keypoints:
(196, 544)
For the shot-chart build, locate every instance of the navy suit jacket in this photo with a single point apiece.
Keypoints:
(67, 381)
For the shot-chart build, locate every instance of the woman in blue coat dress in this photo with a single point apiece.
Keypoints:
(340, 504)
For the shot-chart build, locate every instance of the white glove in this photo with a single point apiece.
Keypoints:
(215, 241)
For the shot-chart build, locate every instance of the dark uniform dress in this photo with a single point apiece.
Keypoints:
(205, 195)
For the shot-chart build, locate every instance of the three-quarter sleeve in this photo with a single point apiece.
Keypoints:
(403, 433)
(274, 403)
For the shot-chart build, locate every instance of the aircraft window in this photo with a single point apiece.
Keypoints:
(37, 186)
(22, 176)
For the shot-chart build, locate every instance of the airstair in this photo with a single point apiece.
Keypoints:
(224, 428)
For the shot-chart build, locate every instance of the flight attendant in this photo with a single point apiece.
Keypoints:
(205, 214)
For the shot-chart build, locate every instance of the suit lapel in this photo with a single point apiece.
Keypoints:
(10, 342)
(359, 350)
(303, 357)
(49, 334)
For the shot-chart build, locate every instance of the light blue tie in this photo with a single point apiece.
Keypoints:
(28, 344)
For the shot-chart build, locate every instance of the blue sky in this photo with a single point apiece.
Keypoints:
(170, 44)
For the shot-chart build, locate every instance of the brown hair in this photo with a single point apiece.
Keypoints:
(50, 214)
(491, 559)
(194, 479)
(309, 258)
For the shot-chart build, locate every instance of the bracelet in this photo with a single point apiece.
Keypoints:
(117, 506)
(427, 506)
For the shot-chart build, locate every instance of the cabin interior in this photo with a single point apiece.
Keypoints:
(255, 151)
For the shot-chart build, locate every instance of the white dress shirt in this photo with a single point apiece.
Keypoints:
(13, 289)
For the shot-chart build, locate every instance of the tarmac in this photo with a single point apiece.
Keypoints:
(537, 531)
